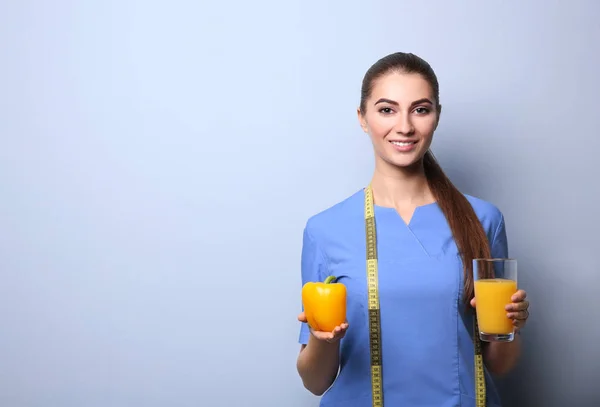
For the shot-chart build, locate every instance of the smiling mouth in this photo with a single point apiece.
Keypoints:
(403, 143)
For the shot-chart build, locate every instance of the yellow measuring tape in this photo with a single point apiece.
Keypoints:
(375, 317)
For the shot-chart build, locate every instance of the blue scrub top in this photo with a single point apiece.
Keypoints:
(426, 332)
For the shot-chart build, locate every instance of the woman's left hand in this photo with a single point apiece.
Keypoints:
(518, 310)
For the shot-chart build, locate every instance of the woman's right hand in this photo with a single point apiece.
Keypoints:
(331, 337)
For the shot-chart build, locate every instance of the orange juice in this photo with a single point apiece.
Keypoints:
(491, 298)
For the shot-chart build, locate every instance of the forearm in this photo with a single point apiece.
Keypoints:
(318, 365)
(501, 357)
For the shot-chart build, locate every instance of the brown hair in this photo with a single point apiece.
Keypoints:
(466, 228)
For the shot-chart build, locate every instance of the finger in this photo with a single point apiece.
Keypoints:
(520, 295)
(517, 306)
(333, 337)
(339, 330)
(337, 333)
(473, 303)
(520, 315)
(515, 300)
(302, 317)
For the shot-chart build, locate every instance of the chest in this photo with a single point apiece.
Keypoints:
(417, 265)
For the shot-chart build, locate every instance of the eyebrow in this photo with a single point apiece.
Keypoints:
(392, 102)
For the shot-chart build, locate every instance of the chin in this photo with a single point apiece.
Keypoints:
(406, 160)
(406, 163)
(403, 162)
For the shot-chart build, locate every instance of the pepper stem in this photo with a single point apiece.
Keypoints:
(329, 279)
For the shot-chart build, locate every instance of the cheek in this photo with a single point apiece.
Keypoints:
(425, 127)
(380, 128)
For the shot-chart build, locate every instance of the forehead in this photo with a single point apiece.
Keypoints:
(403, 88)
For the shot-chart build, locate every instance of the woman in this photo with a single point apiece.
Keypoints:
(427, 233)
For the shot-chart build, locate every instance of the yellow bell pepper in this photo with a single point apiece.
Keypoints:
(324, 304)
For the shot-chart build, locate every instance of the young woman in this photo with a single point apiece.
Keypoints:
(427, 233)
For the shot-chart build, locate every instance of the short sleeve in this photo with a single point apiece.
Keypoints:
(313, 267)
(500, 243)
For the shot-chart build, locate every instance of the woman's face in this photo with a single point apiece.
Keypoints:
(400, 117)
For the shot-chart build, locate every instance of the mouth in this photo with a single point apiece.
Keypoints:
(403, 143)
(403, 146)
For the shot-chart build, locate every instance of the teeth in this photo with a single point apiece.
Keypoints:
(402, 144)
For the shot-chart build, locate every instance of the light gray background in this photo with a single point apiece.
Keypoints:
(158, 161)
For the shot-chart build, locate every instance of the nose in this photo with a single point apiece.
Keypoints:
(404, 125)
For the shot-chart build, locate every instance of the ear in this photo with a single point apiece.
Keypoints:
(439, 113)
(362, 121)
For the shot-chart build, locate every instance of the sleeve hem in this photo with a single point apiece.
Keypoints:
(303, 338)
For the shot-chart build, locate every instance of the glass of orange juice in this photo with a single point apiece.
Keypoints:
(495, 282)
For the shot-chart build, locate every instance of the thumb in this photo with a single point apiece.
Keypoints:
(473, 303)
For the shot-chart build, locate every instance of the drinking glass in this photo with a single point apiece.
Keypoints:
(495, 282)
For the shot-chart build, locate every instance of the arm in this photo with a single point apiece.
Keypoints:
(318, 361)
(318, 364)
(501, 357)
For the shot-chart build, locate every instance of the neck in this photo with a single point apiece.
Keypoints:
(399, 187)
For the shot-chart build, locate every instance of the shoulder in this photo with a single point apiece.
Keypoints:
(337, 217)
(490, 216)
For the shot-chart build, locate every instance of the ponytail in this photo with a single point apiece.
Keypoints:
(471, 240)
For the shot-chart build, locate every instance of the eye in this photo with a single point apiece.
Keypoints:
(385, 110)
(422, 110)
